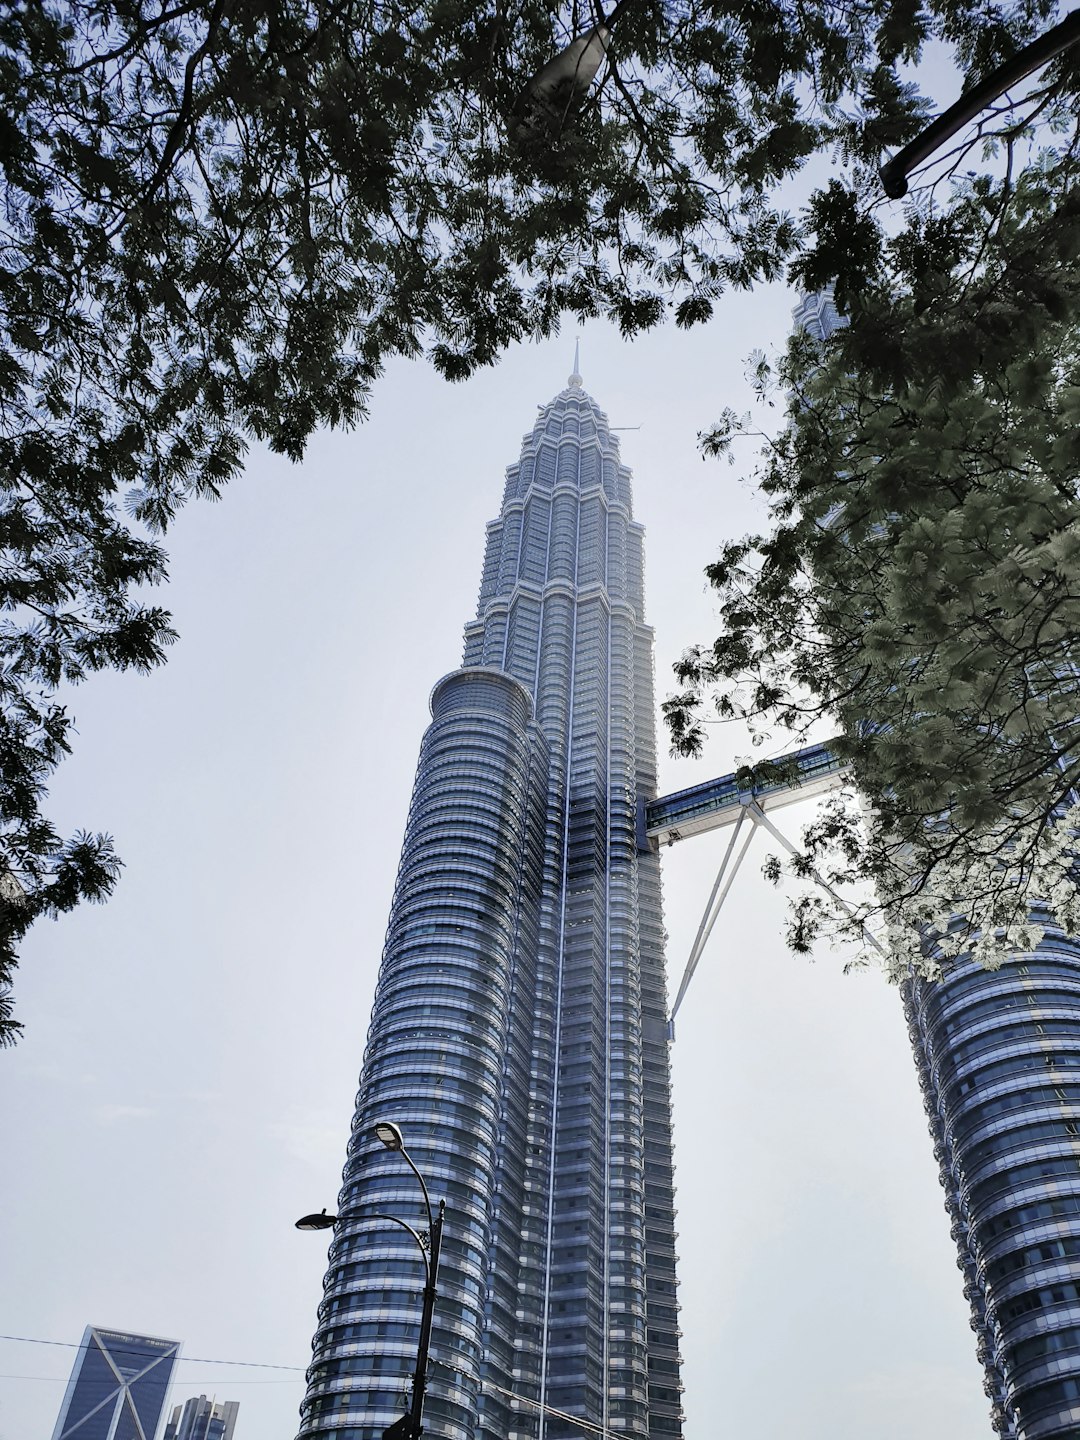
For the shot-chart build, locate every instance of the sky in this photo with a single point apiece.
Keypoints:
(185, 1085)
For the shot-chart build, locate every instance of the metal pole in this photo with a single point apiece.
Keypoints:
(1055, 42)
(416, 1410)
(423, 1184)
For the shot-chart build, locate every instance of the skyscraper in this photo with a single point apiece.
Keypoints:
(519, 1029)
(998, 1059)
(203, 1419)
(117, 1387)
(998, 1054)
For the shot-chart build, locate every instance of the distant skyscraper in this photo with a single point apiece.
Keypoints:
(519, 1031)
(203, 1419)
(117, 1387)
(817, 314)
(998, 1056)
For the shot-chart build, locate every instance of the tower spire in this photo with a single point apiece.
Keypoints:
(575, 379)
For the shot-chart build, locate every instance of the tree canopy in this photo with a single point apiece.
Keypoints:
(221, 219)
(919, 589)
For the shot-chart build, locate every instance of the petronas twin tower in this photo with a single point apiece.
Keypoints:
(519, 1039)
(519, 1029)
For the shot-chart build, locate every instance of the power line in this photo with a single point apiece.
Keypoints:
(63, 1380)
(587, 1425)
(182, 1360)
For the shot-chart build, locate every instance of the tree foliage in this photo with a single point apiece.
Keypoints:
(221, 219)
(920, 586)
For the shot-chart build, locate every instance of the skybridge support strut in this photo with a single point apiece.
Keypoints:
(725, 876)
(717, 896)
(819, 879)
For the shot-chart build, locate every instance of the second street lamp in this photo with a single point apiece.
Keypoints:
(894, 173)
(410, 1426)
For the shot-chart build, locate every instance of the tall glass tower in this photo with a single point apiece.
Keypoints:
(519, 1029)
(998, 1055)
(998, 1059)
(203, 1419)
(118, 1386)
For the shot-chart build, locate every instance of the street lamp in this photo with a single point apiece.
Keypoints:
(1062, 37)
(410, 1426)
(390, 1135)
(322, 1221)
(559, 86)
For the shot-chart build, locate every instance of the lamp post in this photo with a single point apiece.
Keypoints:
(1062, 37)
(410, 1426)
(560, 85)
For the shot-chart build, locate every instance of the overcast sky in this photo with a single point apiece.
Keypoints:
(185, 1085)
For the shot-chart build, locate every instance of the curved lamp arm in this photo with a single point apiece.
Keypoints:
(893, 174)
(420, 1245)
(389, 1133)
(423, 1185)
(328, 1222)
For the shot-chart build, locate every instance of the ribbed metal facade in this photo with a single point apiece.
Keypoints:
(518, 1035)
(999, 1063)
(998, 1056)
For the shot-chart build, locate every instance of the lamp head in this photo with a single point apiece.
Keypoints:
(390, 1135)
(322, 1221)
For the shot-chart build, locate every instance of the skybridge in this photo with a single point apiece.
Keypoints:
(813, 771)
(733, 800)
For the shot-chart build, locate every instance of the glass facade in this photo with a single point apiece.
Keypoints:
(519, 1031)
(998, 1057)
(117, 1387)
(998, 1054)
(203, 1419)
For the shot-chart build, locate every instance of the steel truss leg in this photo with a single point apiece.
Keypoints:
(722, 885)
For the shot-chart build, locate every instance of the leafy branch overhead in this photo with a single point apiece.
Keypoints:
(919, 589)
(221, 219)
